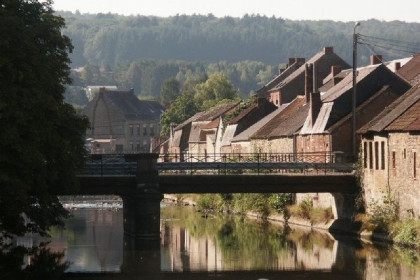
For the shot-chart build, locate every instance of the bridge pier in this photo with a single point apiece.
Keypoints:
(142, 206)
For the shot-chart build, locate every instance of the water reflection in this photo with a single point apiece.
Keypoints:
(227, 243)
(229, 247)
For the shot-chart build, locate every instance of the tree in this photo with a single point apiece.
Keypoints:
(169, 92)
(42, 138)
(216, 89)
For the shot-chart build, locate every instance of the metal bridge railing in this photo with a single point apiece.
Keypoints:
(223, 163)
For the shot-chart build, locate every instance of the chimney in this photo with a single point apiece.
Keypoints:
(308, 81)
(315, 97)
(375, 59)
(328, 50)
(300, 60)
(314, 106)
(315, 77)
(335, 69)
(397, 66)
(291, 61)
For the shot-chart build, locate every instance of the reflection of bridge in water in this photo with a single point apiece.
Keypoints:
(141, 180)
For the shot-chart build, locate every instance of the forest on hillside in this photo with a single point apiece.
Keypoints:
(143, 51)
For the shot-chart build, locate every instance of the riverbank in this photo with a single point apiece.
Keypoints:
(405, 235)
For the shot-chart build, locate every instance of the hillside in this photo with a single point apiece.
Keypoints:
(108, 39)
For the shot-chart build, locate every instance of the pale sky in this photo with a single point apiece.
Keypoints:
(338, 10)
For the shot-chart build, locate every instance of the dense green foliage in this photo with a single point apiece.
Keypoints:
(199, 94)
(42, 138)
(107, 39)
(170, 91)
(141, 52)
(147, 77)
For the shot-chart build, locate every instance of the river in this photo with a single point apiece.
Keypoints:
(221, 246)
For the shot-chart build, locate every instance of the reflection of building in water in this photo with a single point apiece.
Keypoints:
(181, 251)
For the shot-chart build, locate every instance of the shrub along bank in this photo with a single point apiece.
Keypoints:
(382, 222)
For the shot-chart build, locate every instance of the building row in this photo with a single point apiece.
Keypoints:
(307, 108)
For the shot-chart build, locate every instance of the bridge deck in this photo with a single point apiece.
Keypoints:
(244, 183)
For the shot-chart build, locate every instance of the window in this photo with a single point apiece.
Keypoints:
(405, 153)
(370, 156)
(119, 148)
(415, 165)
(131, 146)
(383, 155)
(376, 155)
(393, 159)
(138, 129)
(138, 146)
(152, 131)
(365, 154)
(131, 130)
(144, 130)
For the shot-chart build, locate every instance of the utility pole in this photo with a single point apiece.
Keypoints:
(353, 109)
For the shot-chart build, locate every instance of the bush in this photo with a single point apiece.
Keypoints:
(206, 202)
(305, 208)
(407, 233)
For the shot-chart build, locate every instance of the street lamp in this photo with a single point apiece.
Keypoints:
(353, 109)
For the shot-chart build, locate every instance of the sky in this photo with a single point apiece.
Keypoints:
(338, 10)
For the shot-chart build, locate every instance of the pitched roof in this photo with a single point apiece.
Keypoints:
(347, 82)
(246, 134)
(321, 57)
(131, 106)
(411, 70)
(217, 111)
(392, 112)
(190, 120)
(270, 128)
(283, 75)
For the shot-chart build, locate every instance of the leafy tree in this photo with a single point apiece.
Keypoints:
(182, 108)
(169, 92)
(42, 138)
(216, 89)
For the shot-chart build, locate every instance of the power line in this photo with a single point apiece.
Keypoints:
(389, 44)
(390, 40)
(387, 47)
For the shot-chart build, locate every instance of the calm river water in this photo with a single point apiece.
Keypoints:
(223, 247)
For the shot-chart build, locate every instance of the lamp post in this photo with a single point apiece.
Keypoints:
(353, 109)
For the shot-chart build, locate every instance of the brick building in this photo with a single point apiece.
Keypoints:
(121, 116)
(328, 126)
(390, 149)
(291, 82)
(247, 117)
(201, 134)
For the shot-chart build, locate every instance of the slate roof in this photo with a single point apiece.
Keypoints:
(287, 120)
(132, 107)
(320, 57)
(279, 78)
(398, 110)
(347, 83)
(337, 100)
(247, 133)
(411, 70)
